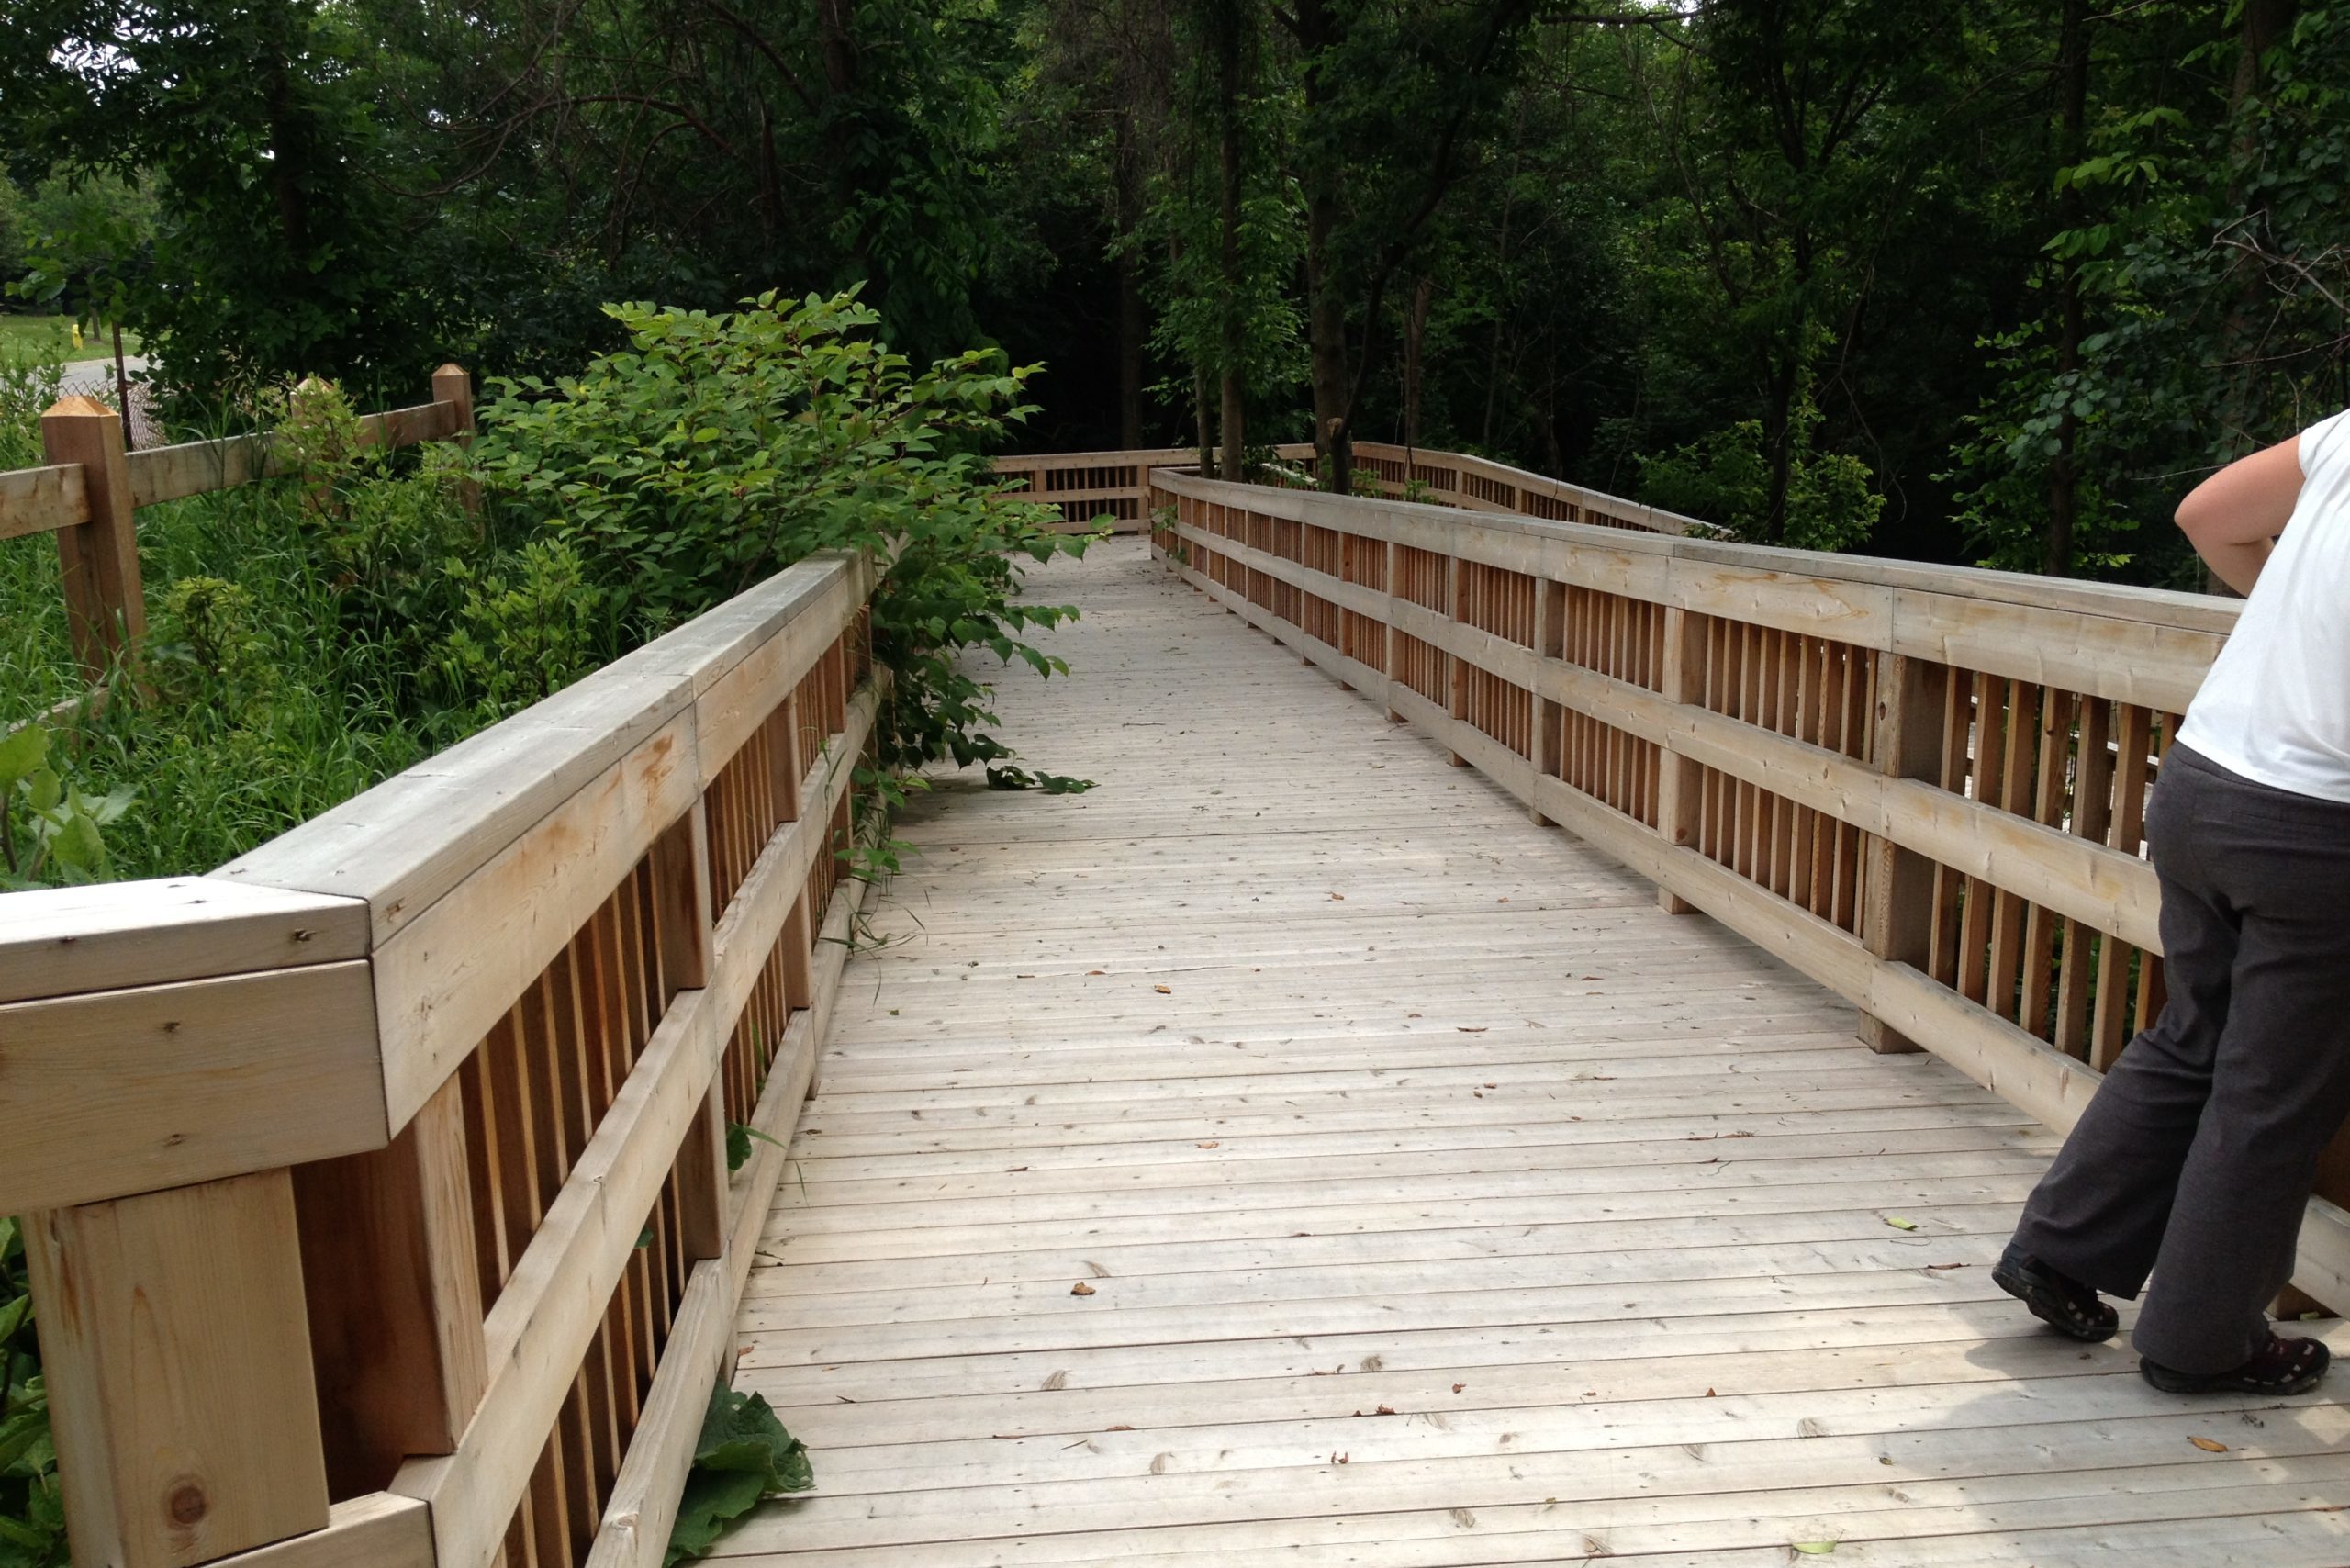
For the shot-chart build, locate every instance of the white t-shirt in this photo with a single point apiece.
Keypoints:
(2275, 706)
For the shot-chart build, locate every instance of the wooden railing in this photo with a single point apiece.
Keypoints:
(1087, 486)
(376, 1185)
(1924, 787)
(91, 490)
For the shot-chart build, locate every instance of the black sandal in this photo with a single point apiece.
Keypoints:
(2062, 1302)
(2281, 1366)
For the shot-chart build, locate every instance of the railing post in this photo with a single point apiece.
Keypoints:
(178, 1364)
(389, 1255)
(1897, 884)
(452, 384)
(1680, 783)
(106, 608)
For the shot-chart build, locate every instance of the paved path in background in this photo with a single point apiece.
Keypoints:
(94, 377)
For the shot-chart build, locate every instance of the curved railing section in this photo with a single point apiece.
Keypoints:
(1924, 786)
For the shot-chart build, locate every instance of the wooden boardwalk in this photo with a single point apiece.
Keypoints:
(1288, 1153)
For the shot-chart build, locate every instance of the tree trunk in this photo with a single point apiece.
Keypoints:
(1133, 323)
(1779, 440)
(2063, 471)
(1200, 411)
(1416, 326)
(1317, 29)
(1232, 343)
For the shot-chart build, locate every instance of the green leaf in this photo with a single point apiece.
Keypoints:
(1897, 1223)
(77, 845)
(1814, 1547)
(20, 754)
(47, 789)
(744, 1454)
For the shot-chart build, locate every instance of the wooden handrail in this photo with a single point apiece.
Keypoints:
(1087, 485)
(448, 1072)
(1922, 786)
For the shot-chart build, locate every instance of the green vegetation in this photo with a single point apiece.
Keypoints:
(32, 1512)
(1981, 280)
(743, 1455)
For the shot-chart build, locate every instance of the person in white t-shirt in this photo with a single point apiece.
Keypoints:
(2193, 1162)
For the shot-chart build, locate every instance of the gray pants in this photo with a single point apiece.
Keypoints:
(2194, 1158)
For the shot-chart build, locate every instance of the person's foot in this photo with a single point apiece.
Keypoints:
(2281, 1366)
(2058, 1300)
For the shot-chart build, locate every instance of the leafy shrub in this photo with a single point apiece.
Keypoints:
(1724, 478)
(50, 830)
(524, 636)
(719, 448)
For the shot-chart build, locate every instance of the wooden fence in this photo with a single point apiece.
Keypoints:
(376, 1185)
(91, 492)
(1924, 787)
(1087, 485)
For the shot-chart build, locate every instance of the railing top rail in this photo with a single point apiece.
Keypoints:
(2192, 611)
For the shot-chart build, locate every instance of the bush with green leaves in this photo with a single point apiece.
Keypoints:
(719, 448)
(1724, 478)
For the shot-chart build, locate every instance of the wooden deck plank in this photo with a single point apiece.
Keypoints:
(1436, 1112)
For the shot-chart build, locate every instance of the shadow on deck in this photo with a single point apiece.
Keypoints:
(1290, 1153)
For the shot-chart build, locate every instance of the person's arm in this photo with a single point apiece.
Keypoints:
(2234, 517)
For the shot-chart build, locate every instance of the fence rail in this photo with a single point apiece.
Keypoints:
(376, 1188)
(1924, 787)
(1087, 485)
(89, 495)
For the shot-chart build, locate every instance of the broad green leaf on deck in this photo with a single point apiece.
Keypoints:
(743, 1455)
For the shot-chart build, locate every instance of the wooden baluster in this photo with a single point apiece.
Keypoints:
(1680, 783)
(177, 1358)
(394, 1277)
(2036, 1006)
(681, 876)
(1897, 884)
(106, 607)
(2109, 1028)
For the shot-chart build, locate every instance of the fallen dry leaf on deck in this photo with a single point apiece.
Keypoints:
(1080, 1288)
(1338, 898)
(1164, 989)
(1121, 1427)
(1212, 1143)
(1459, 1386)
(1467, 1029)
(2208, 1445)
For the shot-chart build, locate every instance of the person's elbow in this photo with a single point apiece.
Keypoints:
(2198, 516)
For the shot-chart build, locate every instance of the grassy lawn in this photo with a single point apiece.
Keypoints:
(22, 332)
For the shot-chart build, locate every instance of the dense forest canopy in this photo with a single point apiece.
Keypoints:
(1958, 279)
